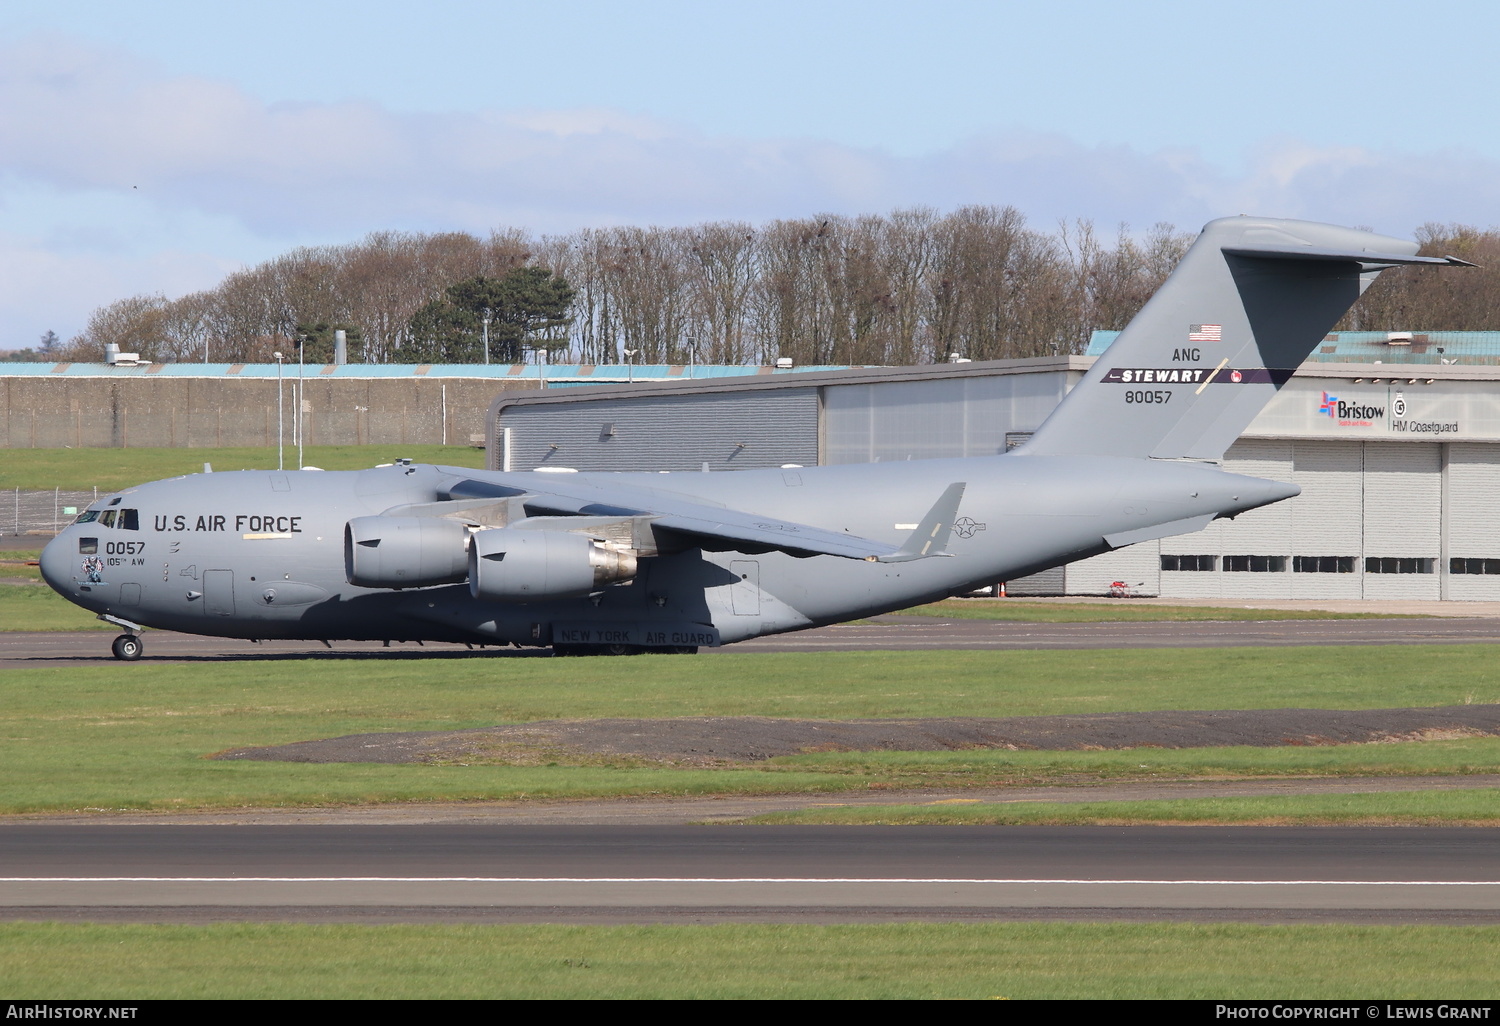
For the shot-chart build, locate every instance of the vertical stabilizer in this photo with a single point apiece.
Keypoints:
(1248, 303)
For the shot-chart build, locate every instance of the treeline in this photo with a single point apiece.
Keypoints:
(913, 286)
(1433, 298)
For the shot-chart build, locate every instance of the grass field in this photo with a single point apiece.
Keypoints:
(16, 563)
(1476, 807)
(112, 469)
(135, 736)
(905, 960)
(28, 607)
(1000, 767)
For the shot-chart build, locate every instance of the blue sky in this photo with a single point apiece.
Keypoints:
(157, 146)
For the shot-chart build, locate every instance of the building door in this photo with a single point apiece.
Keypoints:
(1403, 509)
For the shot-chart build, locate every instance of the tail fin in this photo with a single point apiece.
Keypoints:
(1245, 307)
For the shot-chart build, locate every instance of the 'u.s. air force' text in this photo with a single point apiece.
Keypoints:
(220, 522)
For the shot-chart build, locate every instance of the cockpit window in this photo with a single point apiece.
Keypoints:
(88, 546)
(88, 516)
(107, 518)
(130, 520)
(116, 500)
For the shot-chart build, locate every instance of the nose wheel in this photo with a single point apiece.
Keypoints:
(127, 647)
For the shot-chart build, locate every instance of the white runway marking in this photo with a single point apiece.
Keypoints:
(739, 891)
(739, 880)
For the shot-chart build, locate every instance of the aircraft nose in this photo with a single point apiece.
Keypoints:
(56, 563)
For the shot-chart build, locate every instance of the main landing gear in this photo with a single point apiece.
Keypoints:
(127, 647)
(619, 650)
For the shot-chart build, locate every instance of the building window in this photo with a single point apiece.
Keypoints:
(1187, 562)
(1474, 566)
(1322, 564)
(1394, 565)
(1255, 564)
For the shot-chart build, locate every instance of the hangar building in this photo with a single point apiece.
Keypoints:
(1394, 439)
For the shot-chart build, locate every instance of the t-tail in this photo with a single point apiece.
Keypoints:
(1244, 308)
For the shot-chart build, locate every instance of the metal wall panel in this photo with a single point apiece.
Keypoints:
(728, 431)
(1138, 566)
(933, 419)
(1048, 582)
(1195, 583)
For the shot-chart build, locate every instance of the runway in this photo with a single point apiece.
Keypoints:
(542, 873)
(888, 633)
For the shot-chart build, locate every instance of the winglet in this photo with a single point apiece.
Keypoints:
(931, 536)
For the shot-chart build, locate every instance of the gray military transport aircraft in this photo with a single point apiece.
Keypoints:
(613, 563)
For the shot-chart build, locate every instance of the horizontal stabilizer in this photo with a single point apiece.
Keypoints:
(1340, 255)
(931, 535)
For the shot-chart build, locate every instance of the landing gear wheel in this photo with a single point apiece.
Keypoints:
(127, 647)
(596, 650)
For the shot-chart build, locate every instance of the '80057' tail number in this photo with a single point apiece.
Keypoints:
(1148, 397)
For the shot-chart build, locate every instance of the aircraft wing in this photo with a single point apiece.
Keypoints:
(693, 524)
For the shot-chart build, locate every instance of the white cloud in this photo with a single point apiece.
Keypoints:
(46, 288)
(245, 179)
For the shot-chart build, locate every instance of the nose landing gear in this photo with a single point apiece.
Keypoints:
(127, 647)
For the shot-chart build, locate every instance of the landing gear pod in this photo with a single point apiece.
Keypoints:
(405, 552)
(526, 566)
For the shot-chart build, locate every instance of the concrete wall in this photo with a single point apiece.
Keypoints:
(52, 413)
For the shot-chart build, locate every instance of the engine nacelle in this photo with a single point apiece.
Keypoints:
(528, 566)
(405, 552)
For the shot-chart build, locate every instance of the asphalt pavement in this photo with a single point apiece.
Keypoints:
(886, 633)
(462, 872)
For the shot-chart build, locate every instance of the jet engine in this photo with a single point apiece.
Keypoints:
(508, 565)
(405, 552)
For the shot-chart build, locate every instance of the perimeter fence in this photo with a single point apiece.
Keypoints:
(41, 514)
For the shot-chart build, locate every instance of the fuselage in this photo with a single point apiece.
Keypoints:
(260, 554)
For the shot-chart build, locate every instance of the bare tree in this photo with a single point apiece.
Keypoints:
(912, 286)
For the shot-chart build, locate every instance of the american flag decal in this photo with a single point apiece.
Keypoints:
(1205, 332)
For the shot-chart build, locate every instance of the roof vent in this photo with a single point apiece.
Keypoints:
(1398, 338)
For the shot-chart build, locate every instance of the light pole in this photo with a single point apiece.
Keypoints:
(301, 352)
(280, 414)
(630, 355)
(692, 344)
(488, 313)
